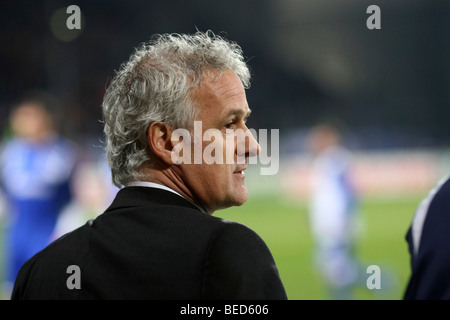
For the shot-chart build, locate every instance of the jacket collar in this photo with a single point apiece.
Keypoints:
(137, 196)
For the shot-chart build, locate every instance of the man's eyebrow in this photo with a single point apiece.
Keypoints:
(239, 112)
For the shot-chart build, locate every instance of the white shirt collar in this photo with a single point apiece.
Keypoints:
(158, 186)
(151, 185)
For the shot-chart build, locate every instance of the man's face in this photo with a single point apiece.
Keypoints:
(222, 105)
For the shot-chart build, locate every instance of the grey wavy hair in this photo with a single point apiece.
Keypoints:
(154, 85)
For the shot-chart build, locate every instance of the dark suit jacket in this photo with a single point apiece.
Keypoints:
(429, 247)
(153, 244)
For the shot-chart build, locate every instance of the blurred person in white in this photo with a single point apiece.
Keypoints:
(36, 166)
(333, 211)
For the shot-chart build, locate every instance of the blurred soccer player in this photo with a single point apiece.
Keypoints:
(35, 169)
(332, 212)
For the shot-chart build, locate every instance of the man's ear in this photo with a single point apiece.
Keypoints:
(159, 140)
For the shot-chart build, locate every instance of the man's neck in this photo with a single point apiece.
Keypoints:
(170, 180)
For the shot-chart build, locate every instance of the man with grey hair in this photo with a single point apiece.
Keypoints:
(159, 239)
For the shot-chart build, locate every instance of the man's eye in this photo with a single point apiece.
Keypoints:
(229, 125)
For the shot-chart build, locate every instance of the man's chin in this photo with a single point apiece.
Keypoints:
(241, 198)
(235, 202)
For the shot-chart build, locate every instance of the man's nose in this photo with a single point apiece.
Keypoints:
(253, 147)
(247, 146)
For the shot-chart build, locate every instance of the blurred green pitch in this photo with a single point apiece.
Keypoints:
(284, 226)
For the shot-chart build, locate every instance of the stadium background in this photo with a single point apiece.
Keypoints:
(310, 60)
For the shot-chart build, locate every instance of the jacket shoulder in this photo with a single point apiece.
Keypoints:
(50, 267)
(239, 265)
